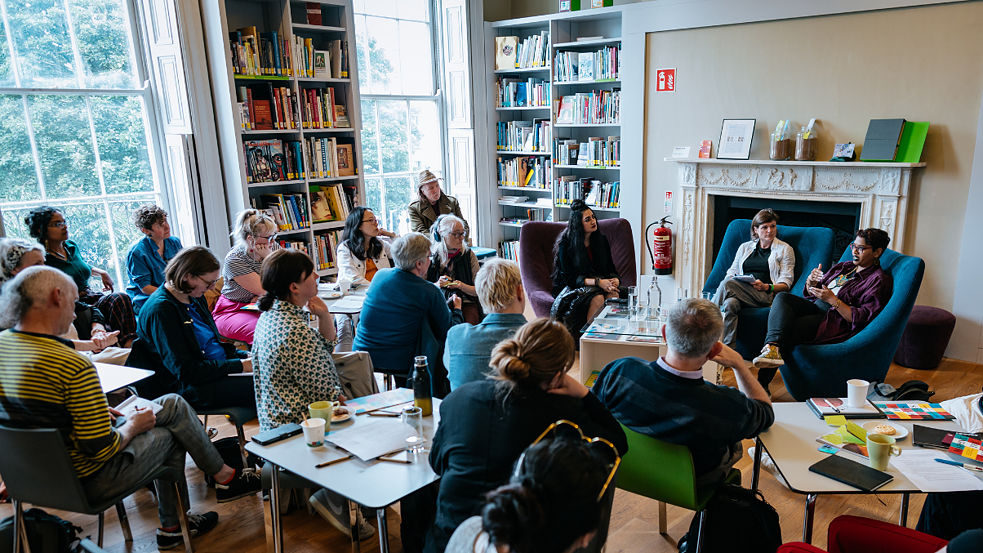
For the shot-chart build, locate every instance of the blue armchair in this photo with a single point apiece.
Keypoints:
(822, 370)
(812, 246)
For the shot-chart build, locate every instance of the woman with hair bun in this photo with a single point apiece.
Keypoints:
(496, 419)
(549, 506)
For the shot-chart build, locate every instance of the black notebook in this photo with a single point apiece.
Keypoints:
(851, 473)
(935, 438)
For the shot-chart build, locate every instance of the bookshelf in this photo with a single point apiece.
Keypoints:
(303, 146)
(531, 179)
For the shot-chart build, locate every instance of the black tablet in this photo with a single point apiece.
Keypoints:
(851, 473)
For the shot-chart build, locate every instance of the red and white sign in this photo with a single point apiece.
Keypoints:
(665, 80)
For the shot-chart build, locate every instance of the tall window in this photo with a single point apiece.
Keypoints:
(401, 124)
(74, 123)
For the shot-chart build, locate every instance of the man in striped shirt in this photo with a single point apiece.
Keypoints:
(44, 383)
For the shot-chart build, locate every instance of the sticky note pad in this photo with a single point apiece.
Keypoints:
(848, 437)
(856, 430)
(833, 438)
(835, 420)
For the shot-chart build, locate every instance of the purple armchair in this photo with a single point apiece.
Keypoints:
(536, 258)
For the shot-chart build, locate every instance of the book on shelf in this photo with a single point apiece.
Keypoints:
(593, 192)
(506, 48)
(268, 107)
(313, 13)
(263, 114)
(603, 64)
(325, 248)
(345, 160)
(321, 64)
(259, 54)
(294, 245)
(319, 109)
(585, 69)
(509, 249)
(289, 211)
(532, 171)
(514, 199)
(533, 51)
(525, 136)
(320, 208)
(590, 108)
(341, 117)
(596, 152)
(513, 92)
(564, 115)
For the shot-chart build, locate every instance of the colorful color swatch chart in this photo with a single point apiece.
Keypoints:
(967, 447)
(914, 411)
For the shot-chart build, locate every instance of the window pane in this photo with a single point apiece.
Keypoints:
(126, 234)
(122, 140)
(102, 31)
(43, 45)
(425, 143)
(370, 137)
(418, 10)
(392, 136)
(64, 141)
(380, 7)
(383, 44)
(87, 227)
(373, 200)
(6, 67)
(365, 76)
(18, 179)
(399, 193)
(416, 65)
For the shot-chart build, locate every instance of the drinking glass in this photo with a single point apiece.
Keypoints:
(643, 307)
(413, 418)
(708, 296)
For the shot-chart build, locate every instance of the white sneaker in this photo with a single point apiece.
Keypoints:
(770, 357)
(768, 465)
(336, 512)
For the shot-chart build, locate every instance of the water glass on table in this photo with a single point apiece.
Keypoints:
(643, 307)
(412, 417)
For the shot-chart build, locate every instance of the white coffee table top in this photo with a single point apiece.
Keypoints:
(114, 377)
(791, 443)
(374, 484)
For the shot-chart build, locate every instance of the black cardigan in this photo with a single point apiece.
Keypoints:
(168, 346)
(572, 274)
(479, 439)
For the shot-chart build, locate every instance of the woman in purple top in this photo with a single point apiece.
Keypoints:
(837, 304)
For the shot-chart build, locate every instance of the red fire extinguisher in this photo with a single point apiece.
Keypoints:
(662, 254)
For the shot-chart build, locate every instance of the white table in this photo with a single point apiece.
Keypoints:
(114, 377)
(374, 484)
(791, 443)
(359, 293)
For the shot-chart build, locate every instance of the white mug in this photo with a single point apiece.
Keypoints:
(856, 393)
(344, 286)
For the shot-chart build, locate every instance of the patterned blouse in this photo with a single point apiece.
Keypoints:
(292, 366)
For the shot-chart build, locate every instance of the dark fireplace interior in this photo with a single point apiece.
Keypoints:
(841, 217)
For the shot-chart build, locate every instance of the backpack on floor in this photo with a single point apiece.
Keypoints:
(46, 533)
(228, 448)
(738, 521)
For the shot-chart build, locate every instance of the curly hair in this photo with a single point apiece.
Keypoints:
(146, 216)
(37, 221)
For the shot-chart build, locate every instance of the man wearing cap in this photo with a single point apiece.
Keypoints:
(432, 204)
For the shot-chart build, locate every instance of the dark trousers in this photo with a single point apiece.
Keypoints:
(417, 512)
(793, 320)
(231, 391)
(946, 515)
(118, 311)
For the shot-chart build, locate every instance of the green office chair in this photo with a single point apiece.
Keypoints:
(664, 472)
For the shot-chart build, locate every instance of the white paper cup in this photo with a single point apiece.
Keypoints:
(344, 286)
(313, 432)
(856, 393)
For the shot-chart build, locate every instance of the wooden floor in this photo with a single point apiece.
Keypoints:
(634, 523)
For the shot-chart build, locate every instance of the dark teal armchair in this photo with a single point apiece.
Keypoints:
(822, 370)
(812, 246)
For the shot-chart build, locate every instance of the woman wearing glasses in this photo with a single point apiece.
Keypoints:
(837, 304)
(255, 234)
(496, 419)
(453, 266)
(48, 226)
(552, 504)
(179, 341)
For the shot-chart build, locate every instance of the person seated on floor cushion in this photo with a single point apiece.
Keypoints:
(453, 266)
(769, 260)
(179, 341)
(147, 258)
(669, 400)
(837, 304)
(469, 347)
(44, 383)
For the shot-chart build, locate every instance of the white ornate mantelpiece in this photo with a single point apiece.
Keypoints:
(880, 188)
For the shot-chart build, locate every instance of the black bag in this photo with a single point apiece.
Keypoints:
(45, 533)
(738, 520)
(228, 448)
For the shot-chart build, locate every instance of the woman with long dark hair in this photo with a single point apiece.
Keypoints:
(584, 274)
(361, 254)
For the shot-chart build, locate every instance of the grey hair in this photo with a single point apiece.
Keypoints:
(443, 228)
(12, 250)
(410, 248)
(29, 288)
(693, 327)
(250, 222)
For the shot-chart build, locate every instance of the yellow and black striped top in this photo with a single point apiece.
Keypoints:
(47, 384)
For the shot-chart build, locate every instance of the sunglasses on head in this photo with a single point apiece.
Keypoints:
(599, 447)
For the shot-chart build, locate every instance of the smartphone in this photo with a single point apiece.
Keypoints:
(277, 434)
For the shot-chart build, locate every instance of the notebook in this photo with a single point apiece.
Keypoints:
(824, 406)
(935, 438)
(851, 473)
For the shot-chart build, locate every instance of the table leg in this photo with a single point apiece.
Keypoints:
(380, 516)
(353, 519)
(275, 521)
(756, 471)
(903, 520)
(809, 514)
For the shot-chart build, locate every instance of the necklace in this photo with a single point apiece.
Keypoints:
(847, 277)
(57, 254)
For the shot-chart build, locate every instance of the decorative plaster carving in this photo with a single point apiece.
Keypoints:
(687, 173)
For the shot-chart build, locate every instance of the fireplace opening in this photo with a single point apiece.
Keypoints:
(842, 218)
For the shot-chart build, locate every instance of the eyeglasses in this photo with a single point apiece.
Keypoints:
(459, 234)
(599, 447)
(372, 220)
(210, 283)
(268, 239)
(59, 224)
(858, 248)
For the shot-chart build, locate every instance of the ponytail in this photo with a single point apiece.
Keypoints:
(266, 301)
(513, 515)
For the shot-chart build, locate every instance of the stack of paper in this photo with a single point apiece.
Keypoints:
(368, 441)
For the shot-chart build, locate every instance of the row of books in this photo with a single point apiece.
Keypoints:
(604, 64)
(533, 51)
(531, 171)
(266, 107)
(329, 157)
(272, 160)
(288, 210)
(517, 93)
(593, 192)
(594, 107)
(329, 203)
(294, 245)
(321, 111)
(323, 64)
(259, 54)
(509, 249)
(525, 136)
(596, 152)
(325, 246)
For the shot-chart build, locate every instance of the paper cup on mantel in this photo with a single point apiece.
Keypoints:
(856, 393)
(313, 432)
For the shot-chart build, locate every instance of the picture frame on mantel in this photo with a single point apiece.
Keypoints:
(735, 139)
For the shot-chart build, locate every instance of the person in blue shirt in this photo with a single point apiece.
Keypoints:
(468, 349)
(147, 258)
(404, 315)
(179, 342)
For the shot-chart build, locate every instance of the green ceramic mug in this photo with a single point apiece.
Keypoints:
(323, 410)
(880, 448)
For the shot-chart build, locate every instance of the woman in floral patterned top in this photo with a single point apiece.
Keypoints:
(293, 365)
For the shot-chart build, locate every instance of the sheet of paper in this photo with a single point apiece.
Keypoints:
(132, 402)
(368, 441)
(349, 302)
(680, 152)
(835, 420)
(920, 467)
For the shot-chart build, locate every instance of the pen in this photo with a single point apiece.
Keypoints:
(833, 407)
(958, 464)
(329, 463)
(382, 414)
(388, 460)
